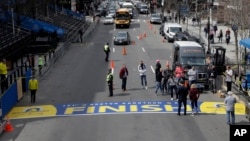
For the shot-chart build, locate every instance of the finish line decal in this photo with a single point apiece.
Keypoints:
(117, 108)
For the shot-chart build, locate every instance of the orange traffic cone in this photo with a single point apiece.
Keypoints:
(163, 40)
(133, 42)
(112, 64)
(8, 126)
(124, 52)
(140, 36)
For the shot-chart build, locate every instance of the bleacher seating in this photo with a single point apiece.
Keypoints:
(8, 37)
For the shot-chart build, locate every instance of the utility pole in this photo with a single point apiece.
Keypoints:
(208, 36)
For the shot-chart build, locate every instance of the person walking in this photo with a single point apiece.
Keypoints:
(172, 82)
(194, 95)
(158, 81)
(220, 36)
(107, 51)
(40, 64)
(228, 38)
(123, 75)
(80, 35)
(142, 71)
(230, 101)
(182, 93)
(166, 75)
(3, 75)
(33, 87)
(157, 67)
(109, 80)
(229, 78)
(192, 75)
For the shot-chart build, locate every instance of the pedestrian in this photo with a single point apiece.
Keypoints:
(212, 74)
(123, 75)
(33, 87)
(158, 81)
(179, 71)
(228, 32)
(175, 18)
(40, 64)
(109, 80)
(192, 74)
(172, 82)
(142, 71)
(107, 51)
(215, 29)
(220, 36)
(194, 95)
(182, 93)
(166, 75)
(229, 78)
(183, 20)
(205, 31)
(157, 67)
(3, 75)
(193, 20)
(228, 38)
(230, 101)
(80, 35)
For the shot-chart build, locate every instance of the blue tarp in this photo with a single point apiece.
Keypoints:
(245, 43)
(36, 26)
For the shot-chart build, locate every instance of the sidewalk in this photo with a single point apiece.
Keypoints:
(230, 48)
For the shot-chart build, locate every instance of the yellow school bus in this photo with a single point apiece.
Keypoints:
(122, 18)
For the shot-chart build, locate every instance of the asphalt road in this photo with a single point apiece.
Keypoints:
(80, 77)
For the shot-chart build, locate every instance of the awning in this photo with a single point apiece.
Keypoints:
(245, 43)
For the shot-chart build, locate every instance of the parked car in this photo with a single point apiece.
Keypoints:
(100, 12)
(143, 9)
(181, 36)
(155, 18)
(108, 20)
(122, 37)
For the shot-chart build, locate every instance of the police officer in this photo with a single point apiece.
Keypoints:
(40, 64)
(107, 51)
(3, 75)
(109, 79)
(33, 86)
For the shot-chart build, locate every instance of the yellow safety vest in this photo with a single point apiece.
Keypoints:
(106, 47)
(3, 69)
(33, 84)
(109, 76)
(40, 61)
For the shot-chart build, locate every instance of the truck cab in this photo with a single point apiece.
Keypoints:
(188, 54)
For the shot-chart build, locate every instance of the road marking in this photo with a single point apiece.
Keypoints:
(134, 29)
(113, 49)
(138, 20)
(143, 49)
(144, 21)
(125, 107)
(152, 69)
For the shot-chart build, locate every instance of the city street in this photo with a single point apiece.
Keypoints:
(73, 103)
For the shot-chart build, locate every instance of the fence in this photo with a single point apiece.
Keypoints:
(23, 73)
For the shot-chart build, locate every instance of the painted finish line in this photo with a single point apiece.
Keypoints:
(116, 108)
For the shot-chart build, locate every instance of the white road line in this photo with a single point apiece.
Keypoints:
(113, 49)
(138, 20)
(144, 21)
(143, 49)
(152, 69)
(134, 29)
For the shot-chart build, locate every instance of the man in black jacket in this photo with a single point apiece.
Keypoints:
(182, 93)
(212, 74)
